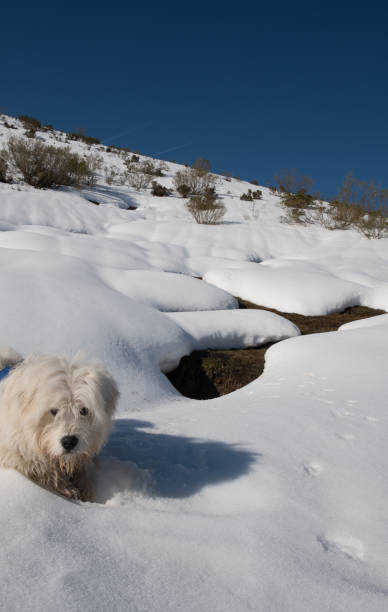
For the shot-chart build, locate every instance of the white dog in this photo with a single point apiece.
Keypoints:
(55, 416)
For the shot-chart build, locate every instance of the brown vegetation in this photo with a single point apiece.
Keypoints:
(209, 374)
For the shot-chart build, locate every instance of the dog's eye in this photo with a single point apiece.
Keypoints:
(54, 411)
(84, 411)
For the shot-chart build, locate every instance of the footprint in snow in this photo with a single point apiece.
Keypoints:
(345, 436)
(312, 468)
(338, 414)
(343, 544)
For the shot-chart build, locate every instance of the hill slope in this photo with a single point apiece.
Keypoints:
(271, 498)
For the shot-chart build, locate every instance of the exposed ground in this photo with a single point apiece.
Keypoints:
(211, 373)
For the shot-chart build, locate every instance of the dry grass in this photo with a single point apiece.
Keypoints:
(209, 374)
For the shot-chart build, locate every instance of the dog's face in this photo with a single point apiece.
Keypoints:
(57, 410)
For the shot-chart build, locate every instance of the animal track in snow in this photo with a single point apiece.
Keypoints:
(346, 545)
(325, 401)
(341, 414)
(345, 436)
(312, 468)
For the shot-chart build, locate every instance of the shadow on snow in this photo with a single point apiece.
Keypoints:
(179, 466)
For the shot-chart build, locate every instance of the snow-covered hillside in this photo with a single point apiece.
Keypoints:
(271, 498)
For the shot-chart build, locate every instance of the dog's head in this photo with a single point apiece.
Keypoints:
(58, 410)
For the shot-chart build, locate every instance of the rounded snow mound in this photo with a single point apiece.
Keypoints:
(305, 289)
(168, 291)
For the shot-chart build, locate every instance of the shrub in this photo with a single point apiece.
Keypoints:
(296, 215)
(250, 195)
(81, 136)
(196, 180)
(30, 122)
(183, 190)
(342, 215)
(207, 211)
(359, 205)
(30, 133)
(374, 224)
(300, 199)
(291, 181)
(247, 197)
(3, 167)
(159, 190)
(148, 167)
(145, 167)
(138, 180)
(254, 182)
(94, 163)
(201, 163)
(9, 126)
(45, 166)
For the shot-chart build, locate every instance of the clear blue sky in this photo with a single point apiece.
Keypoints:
(253, 86)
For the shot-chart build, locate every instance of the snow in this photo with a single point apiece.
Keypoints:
(295, 287)
(271, 498)
(369, 322)
(234, 329)
(168, 292)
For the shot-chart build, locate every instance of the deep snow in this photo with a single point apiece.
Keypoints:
(272, 498)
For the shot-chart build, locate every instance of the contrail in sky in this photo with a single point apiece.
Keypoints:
(132, 129)
(172, 149)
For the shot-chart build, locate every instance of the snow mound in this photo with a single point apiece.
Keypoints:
(233, 329)
(60, 305)
(289, 288)
(166, 291)
(376, 297)
(369, 322)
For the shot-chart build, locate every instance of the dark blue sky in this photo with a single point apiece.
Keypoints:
(254, 87)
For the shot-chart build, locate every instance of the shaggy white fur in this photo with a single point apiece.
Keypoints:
(55, 416)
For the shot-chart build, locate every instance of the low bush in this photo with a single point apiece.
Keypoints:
(250, 195)
(201, 163)
(30, 133)
(138, 180)
(197, 181)
(291, 181)
(3, 167)
(45, 166)
(30, 122)
(247, 197)
(148, 167)
(81, 136)
(300, 199)
(360, 205)
(183, 190)
(145, 167)
(159, 190)
(208, 211)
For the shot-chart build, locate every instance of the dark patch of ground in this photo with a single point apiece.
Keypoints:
(209, 374)
(321, 323)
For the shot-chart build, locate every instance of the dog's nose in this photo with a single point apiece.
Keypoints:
(69, 442)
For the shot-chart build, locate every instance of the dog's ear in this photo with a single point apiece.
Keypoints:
(9, 357)
(108, 388)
